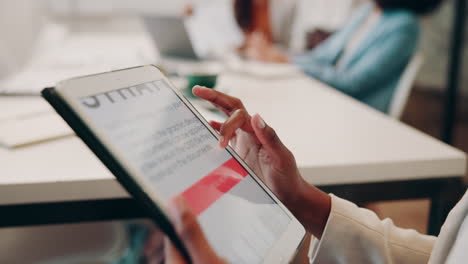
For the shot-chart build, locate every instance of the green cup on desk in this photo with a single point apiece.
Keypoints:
(207, 80)
(204, 74)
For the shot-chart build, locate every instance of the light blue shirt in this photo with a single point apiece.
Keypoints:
(371, 73)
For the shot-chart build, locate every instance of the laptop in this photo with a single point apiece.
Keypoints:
(171, 37)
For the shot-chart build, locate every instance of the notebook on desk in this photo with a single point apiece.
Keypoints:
(261, 70)
(28, 120)
(32, 128)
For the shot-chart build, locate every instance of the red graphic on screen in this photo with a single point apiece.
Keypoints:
(211, 187)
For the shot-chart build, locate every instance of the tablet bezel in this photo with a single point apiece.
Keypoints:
(286, 246)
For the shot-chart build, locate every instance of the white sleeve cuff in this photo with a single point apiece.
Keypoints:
(357, 235)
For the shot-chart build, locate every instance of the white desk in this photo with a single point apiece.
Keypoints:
(336, 140)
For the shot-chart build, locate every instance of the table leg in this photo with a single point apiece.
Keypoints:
(442, 201)
(435, 215)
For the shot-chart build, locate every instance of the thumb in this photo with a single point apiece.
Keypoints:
(189, 230)
(268, 137)
(171, 254)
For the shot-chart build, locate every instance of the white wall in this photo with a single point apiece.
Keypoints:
(20, 21)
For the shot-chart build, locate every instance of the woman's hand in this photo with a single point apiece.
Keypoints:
(257, 47)
(159, 249)
(256, 143)
(263, 151)
(188, 10)
(259, 146)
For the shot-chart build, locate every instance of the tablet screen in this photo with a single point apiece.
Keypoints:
(176, 154)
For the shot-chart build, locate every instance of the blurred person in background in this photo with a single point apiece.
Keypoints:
(366, 57)
(272, 19)
(253, 17)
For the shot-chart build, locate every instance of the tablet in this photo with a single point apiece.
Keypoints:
(158, 146)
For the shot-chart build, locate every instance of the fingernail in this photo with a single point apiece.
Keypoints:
(197, 87)
(261, 123)
(236, 112)
(221, 141)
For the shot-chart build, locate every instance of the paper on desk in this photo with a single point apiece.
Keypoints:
(261, 69)
(32, 128)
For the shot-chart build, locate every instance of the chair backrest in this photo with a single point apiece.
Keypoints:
(403, 89)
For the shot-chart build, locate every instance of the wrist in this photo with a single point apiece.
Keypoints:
(311, 207)
(279, 57)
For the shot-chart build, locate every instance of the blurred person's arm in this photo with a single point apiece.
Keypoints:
(387, 56)
(188, 10)
(260, 49)
(322, 55)
(253, 17)
(316, 37)
(261, 18)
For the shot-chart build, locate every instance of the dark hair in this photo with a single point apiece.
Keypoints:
(419, 7)
(243, 12)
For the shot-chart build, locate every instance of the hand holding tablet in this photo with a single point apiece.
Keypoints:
(158, 146)
(260, 147)
(257, 144)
